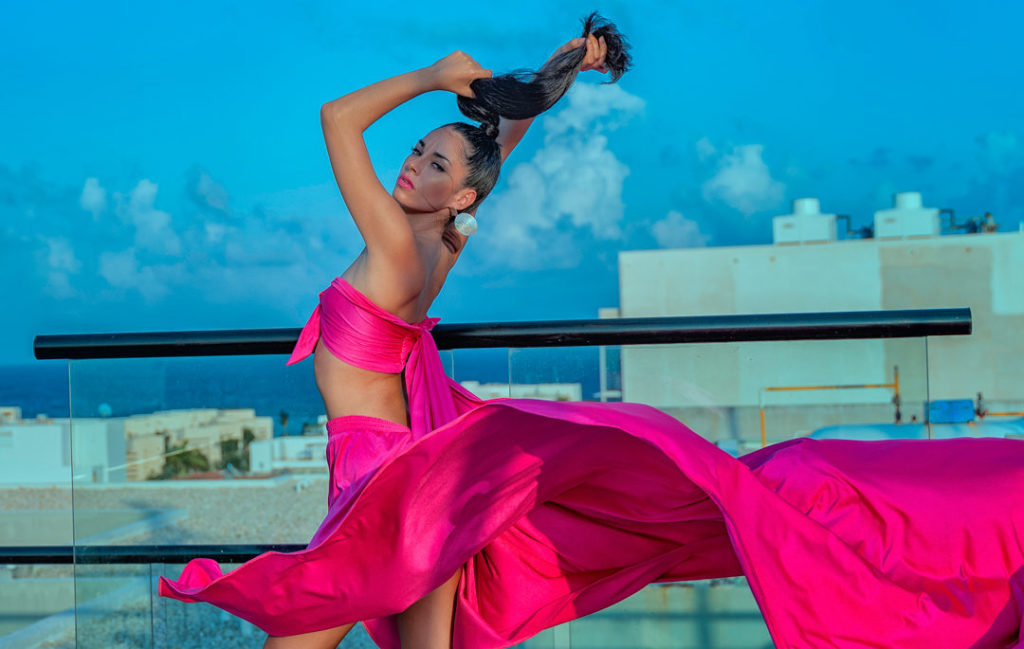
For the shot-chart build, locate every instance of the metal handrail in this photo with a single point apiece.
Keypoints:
(136, 554)
(903, 323)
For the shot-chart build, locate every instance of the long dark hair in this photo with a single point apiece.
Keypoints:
(523, 94)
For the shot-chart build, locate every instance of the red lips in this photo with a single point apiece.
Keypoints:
(403, 181)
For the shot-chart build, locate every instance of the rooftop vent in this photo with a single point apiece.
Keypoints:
(805, 225)
(907, 218)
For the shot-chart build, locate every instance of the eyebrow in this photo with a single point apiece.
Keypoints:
(423, 144)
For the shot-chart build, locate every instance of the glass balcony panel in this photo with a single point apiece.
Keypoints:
(37, 603)
(181, 451)
(743, 395)
(484, 372)
(974, 388)
(36, 600)
(113, 607)
(192, 406)
(566, 373)
(820, 388)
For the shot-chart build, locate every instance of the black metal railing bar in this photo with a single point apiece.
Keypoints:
(904, 323)
(135, 554)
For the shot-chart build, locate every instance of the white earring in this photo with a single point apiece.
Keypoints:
(465, 223)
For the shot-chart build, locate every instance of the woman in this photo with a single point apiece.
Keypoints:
(456, 522)
(413, 239)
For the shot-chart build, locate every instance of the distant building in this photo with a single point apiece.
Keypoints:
(202, 429)
(306, 452)
(717, 388)
(114, 449)
(9, 414)
(29, 450)
(546, 391)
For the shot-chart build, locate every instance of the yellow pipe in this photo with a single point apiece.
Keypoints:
(830, 387)
(1004, 414)
(895, 385)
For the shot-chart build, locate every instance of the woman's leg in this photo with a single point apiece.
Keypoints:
(326, 639)
(427, 624)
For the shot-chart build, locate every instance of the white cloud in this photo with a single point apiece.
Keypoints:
(153, 231)
(210, 257)
(61, 263)
(119, 268)
(573, 183)
(93, 198)
(208, 192)
(592, 108)
(743, 180)
(122, 270)
(60, 256)
(705, 149)
(677, 231)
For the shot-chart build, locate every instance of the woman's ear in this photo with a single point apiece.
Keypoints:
(465, 198)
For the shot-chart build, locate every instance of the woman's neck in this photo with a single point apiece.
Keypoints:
(428, 224)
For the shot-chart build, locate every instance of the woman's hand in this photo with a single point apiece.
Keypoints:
(596, 51)
(456, 71)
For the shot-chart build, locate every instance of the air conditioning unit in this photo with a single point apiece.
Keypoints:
(805, 225)
(907, 218)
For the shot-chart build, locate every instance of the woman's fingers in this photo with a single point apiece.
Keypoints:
(458, 70)
(597, 50)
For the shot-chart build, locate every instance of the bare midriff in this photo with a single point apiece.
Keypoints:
(350, 390)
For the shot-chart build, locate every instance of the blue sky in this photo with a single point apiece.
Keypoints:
(162, 166)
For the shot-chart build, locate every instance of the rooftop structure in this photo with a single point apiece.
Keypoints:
(910, 266)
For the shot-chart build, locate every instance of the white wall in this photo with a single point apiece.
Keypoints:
(35, 454)
(983, 272)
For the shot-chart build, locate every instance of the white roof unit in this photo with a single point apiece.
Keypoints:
(907, 218)
(805, 225)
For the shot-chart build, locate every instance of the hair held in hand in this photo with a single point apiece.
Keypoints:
(524, 93)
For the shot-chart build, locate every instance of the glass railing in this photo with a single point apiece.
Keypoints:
(168, 452)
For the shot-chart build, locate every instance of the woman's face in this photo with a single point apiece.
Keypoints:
(433, 173)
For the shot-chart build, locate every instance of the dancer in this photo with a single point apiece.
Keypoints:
(456, 522)
(413, 238)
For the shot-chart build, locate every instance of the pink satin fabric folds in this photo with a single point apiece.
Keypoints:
(555, 510)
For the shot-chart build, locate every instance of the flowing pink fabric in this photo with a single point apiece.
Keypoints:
(555, 510)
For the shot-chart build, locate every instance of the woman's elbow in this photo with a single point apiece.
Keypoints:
(328, 114)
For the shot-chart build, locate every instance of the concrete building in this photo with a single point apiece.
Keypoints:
(717, 388)
(39, 451)
(546, 391)
(306, 452)
(203, 429)
(114, 449)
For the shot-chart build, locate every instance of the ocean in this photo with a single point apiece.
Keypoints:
(121, 387)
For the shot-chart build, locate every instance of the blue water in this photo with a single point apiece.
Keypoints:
(120, 387)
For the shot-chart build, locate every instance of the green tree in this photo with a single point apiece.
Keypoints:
(237, 457)
(180, 460)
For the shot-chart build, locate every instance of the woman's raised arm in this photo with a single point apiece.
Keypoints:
(380, 219)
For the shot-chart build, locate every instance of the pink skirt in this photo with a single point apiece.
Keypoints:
(552, 511)
(357, 446)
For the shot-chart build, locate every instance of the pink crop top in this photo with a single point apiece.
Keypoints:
(358, 331)
(363, 334)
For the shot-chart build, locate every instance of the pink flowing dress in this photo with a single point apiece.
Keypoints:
(554, 510)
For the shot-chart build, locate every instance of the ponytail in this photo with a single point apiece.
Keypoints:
(524, 94)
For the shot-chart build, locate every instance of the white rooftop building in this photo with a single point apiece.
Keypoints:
(809, 270)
